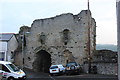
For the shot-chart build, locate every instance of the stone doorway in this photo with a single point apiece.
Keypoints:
(68, 56)
(42, 62)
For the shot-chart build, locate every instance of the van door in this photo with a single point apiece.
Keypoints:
(0, 72)
(5, 71)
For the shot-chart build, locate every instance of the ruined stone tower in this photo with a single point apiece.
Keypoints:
(58, 40)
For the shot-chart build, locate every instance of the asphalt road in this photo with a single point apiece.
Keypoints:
(45, 76)
(83, 77)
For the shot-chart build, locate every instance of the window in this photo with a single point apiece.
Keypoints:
(12, 54)
(42, 38)
(2, 56)
(12, 67)
(4, 68)
(65, 36)
(53, 67)
(0, 66)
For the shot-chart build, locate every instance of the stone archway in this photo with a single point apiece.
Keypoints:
(42, 62)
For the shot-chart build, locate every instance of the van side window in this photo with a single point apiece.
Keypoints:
(4, 68)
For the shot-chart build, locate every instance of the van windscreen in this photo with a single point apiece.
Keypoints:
(12, 67)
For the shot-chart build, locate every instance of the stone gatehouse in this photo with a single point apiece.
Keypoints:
(58, 40)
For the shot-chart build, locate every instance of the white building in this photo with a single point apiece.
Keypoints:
(8, 44)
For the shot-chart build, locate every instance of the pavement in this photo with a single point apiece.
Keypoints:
(31, 75)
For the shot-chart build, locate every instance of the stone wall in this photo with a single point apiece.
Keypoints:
(105, 61)
(104, 68)
(105, 56)
(18, 59)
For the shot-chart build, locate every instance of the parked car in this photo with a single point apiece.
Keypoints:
(73, 68)
(57, 69)
(10, 72)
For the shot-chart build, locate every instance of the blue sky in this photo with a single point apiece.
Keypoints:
(16, 13)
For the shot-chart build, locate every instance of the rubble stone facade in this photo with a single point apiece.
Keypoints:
(58, 40)
(105, 62)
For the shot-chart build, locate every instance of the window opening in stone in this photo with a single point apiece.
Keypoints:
(65, 36)
(67, 61)
(42, 38)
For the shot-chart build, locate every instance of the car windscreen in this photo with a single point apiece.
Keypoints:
(69, 64)
(53, 67)
(12, 67)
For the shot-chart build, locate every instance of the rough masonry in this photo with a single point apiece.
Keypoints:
(59, 40)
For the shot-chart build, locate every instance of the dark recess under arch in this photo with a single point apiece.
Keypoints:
(42, 62)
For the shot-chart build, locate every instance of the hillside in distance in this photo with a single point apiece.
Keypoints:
(106, 46)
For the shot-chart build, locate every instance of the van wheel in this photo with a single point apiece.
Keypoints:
(10, 78)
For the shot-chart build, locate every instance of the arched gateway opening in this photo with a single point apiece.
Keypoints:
(42, 61)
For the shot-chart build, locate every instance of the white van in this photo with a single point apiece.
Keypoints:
(10, 72)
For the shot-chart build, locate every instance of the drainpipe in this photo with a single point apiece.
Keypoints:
(89, 41)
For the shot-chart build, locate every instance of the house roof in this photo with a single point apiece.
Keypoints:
(6, 36)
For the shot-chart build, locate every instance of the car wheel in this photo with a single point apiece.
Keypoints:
(10, 78)
(72, 67)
